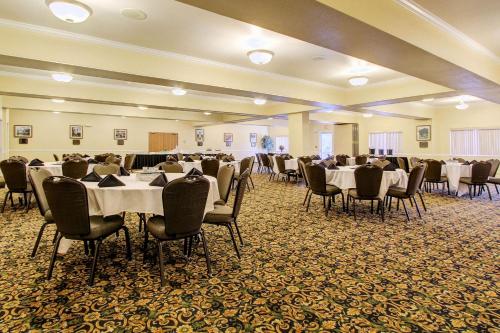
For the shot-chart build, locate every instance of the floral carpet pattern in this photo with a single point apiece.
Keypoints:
(300, 272)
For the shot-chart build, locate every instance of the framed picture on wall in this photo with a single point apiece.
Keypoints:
(75, 131)
(253, 139)
(228, 137)
(120, 134)
(424, 133)
(23, 131)
(199, 135)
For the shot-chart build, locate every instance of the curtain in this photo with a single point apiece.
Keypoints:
(475, 142)
(385, 141)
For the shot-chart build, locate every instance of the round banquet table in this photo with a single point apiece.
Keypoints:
(291, 164)
(187, 166)
(137, 196)
(343, 178)
(454, 171)
(55, 168)
(351, 161)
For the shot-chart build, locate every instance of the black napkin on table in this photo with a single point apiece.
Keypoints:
(124, 172)
(160, 181)
(92, 161)
(466, 163)
(333, 167)
(188, 159)
(390, 167)
(110, 181)
(36, 162)
(194, 172)
(226, 159)
(442, 162)
(92, 177)
(339, 163)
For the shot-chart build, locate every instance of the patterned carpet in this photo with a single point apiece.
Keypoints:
(299, 272)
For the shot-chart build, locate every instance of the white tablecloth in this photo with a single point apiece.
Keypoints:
(136, 196)
(291, 164)
(187, 166)
(55, 168)
(343, 178)
(454, 171)
(352, 160)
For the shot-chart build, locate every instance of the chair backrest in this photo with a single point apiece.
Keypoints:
(252, 162)
(342, 159)
(240, 192)
(280, 163)
(19, 158)
(75, 168)
(433, 171)
(68, 203)
(368, 178)
(360, 160)
(113, 160)
(265, 160)
(106, 169)
(245, 164)
(210, 167)
(401, 163)
(259, 160)
(184, 201)
(14, 174)
(56, 158)
(171, 167)
(225, 177)
(101, 158)
(36, 177)
(195, 157)
(316, 177)
(415, 179)
(460, 160)
(129, 161)
(302, 168)
(414, 161)
(480, 172)
(494, 167)
(381, 163)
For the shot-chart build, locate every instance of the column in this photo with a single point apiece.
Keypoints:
(299, 134)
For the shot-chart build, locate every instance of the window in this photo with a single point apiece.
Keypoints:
(385, 141)
(281, 141)
(326, 140)
(475, 142)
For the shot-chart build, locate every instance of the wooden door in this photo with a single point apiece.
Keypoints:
(159, 141)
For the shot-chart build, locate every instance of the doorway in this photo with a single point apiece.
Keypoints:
(159, 141)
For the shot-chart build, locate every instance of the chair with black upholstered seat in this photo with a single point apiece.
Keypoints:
(75, 168)
(36, 177)
(68, 202)
(360, 160)
(14, 173)
(433, 175)
(478, 179)
(266, 163)
(401, 193)
(210, 167)
(316, 178)
(282, 171)
(184, 200)
(104, 169)
(227, 216)
(368, 178)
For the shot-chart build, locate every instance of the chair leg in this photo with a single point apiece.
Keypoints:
(53, 258)
(145, 246)
(309, 202)
(470, 192)
(406, 211)
(251, 181)
(7, 197)
(207, 254)
(238, 231)
(416, 206)
(38, 238)
(94, 262)
(382, 211)
(307, 194)
(354, 208)
(127, 242)
(347, 204)
(422, 200)
(160, 259)
(28, 201)
(489, 192)
(343, 202)
(86, 248)
(496, 188)
(397, 206)
(448, 186)
(234, 240)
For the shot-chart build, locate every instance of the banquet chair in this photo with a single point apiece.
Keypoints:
(129, 161)
(302, 167)
(210, 167)
(14, 173)
(75, 168)
(401, 163)
(259, 161)
(494, 167)
(341, 159)
(414, 161)
(282, 171)
(68, 203)
(495, 182)
(19, 158)
(56, 158)
(36, 177)
(225, 176)
(226, 216)
(479, 177)
(316, 177)
(368, 178)
(460, 160)
(195, 157)
(104, 169)
(245, 164)
(170, 167)
(401, 193)
(433, 175)
(113, 160)
(360, 160)
(180, 156)
(266, 163)
(184, 200)
(101, 158)
(252, 162)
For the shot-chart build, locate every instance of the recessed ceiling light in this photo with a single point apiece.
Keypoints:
(56, 112)
(270, 118)
(367, 115)
(462, 105)
(260, 57)
(134, 14)
(260, 101)
(176, 119)
(358, 81)
(57, 100)
(428, 99)
(207, 113)
(179, 91)
(142, 107)
(62, 77)
(70, 11)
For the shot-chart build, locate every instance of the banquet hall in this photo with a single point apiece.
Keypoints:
(249, 166)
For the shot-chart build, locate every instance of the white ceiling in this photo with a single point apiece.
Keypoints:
(175, 27)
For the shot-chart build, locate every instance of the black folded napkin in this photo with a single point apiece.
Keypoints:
(443, 162)
(194, 172)
(85, 156)
(110, 181)
(226, 159)
(160, 181)
(92, 161)
(188, 159)
(124, 172)
(172, 158)
(36, 162)
(390, 167)
(333, 167)
(339, 163)
(323, 164)
(466, 163)
(91, 177)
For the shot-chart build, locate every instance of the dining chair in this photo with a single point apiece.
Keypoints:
(36, 177)
(479, 177)
(259, 162)
(14, 173)
(68, 202)
(360, 160)
(184, 200)
(401, 193)
(495, 163)
(225, 177)
(129, 161)
(210, 167)
(401, 163)
(266, 163)
(56, 158)
(113, 160)
(341, 160)
(195, 157)
(433, 176)
(170, 167)
(226, 216)
(104, 169)
(245, 164)
(19, 158)
(75, 168)
(368, 178)
(252, 163)
(316, 177)
(282, 171)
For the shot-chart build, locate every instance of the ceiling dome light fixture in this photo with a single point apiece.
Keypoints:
(62, 77)
(179, 91)
(207, 113)
(57, 100)
(70, 11)
(56, 112)
(462, 105)
(367, 115)
(260, 101)
(260, 57)
(358, 81)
